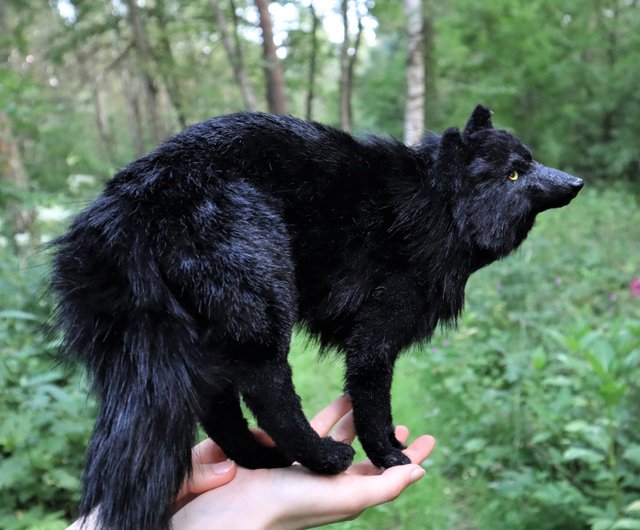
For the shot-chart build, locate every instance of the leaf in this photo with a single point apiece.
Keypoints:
(632, 453)
(626, 524)
(612, 392)
(597, 367)
(633, 507)
(577, 426)
(19, 315)
(601, 524)
(580, 453)
(475, 444)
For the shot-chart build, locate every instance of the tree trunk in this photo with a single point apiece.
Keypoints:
(276, 95)
(13, 172)
(86, 68)
(234, 53)
(133, 113)
(345, 85)
(150, 89)
(348, 56)
(414, 104)
(102, 120)
(311, 81)
(11, 167)
(167, 65)
(428, 32)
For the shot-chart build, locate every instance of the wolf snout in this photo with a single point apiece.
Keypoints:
(552, 188)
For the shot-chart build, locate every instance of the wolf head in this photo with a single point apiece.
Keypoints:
(494, 187)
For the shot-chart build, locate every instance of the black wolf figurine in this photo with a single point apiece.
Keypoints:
(179, 286)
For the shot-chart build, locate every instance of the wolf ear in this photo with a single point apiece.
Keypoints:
(450, 160)
(451, 145)
(480, 119)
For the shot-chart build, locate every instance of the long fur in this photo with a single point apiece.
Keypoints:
(179, 286)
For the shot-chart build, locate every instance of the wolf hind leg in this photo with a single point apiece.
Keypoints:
(224, 422)
(268, 390)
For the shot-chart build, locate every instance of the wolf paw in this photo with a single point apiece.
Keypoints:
(395, 457)
(335, 457)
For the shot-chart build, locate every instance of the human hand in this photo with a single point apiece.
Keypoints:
(293, 497)
(211, 469)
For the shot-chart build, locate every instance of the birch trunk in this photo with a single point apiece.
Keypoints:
(348, 56)
(415, 76)
(311, 81)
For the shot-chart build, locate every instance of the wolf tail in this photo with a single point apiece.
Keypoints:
(120, 321)
(140, 448)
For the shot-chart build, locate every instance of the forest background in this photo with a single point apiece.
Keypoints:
(534, 399)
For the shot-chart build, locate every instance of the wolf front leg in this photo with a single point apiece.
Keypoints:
(368, 383)
(383, 327)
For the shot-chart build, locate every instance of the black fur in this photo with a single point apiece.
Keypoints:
(180, 285)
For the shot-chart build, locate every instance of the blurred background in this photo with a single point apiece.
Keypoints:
(534, 399)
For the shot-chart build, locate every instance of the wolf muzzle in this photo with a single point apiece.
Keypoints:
(552, 188)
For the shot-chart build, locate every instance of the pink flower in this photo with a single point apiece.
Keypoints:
(634, 287)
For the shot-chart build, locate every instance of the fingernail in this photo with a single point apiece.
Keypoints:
(222, 467)
(416, 474)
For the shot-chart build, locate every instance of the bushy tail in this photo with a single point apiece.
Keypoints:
(140, 449)
(121, 322)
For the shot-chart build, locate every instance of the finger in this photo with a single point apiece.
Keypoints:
(364, 468)
(391, 483)
(324, 421)
(417, 451)
(402, 433)
(420, 448)
(345, 430)
(207, 452)
(206, 477)
(263, 438)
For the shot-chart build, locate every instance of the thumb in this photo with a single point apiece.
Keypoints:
(206, 477)
(212, 476)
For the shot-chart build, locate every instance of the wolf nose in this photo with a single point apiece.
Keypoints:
(576, 184)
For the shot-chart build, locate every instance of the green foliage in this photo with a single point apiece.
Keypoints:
(45, 419)
(535, 398)
(559, 73)
(540, 381)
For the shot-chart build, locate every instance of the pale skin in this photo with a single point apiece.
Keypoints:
(289, 498)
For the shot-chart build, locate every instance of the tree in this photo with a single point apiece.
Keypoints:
(415, 76)
(313, 61)
(167, 66)
(276, 93)
(348, 55)
(145, 58)
(12, 169)
(233, 50)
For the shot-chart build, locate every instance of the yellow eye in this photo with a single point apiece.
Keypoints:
(514, 175)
